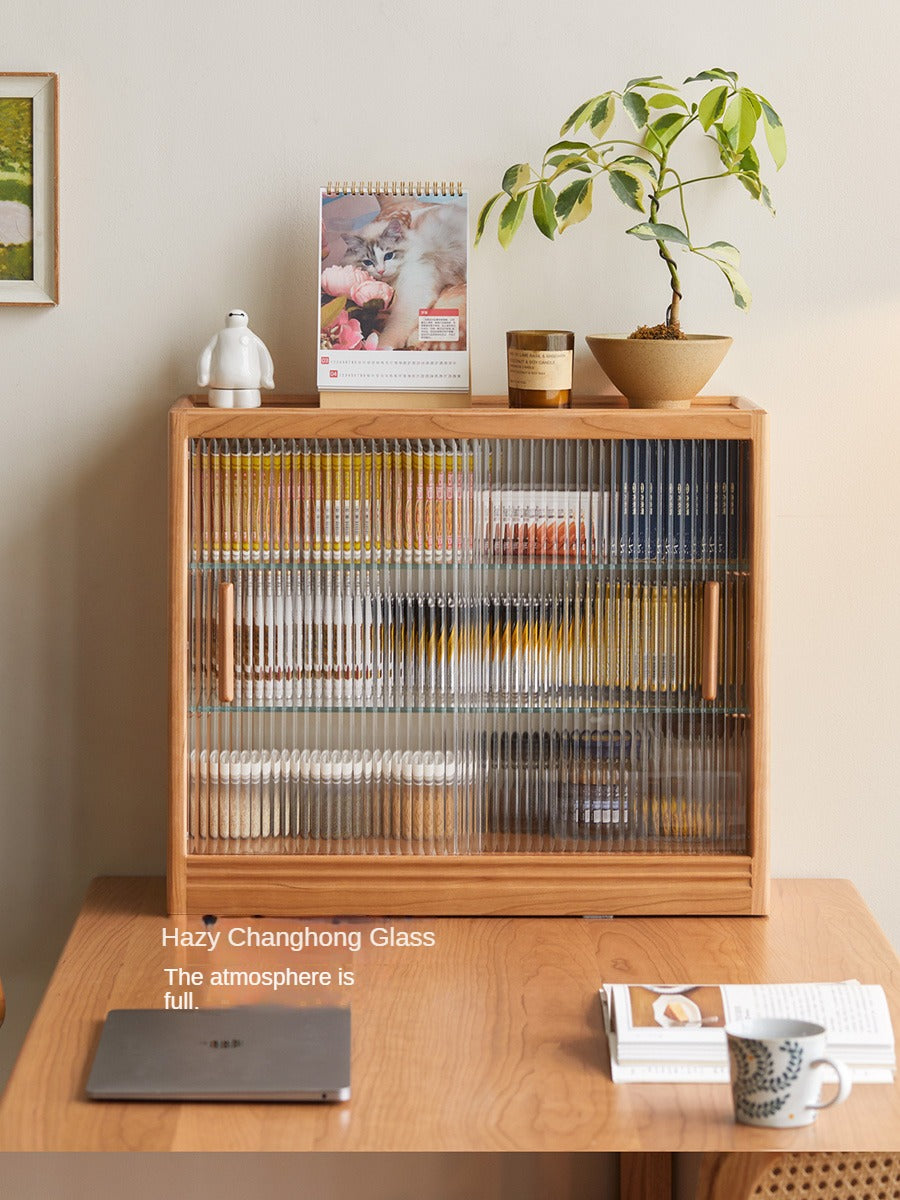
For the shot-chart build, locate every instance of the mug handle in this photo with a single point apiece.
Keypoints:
(844, 1081)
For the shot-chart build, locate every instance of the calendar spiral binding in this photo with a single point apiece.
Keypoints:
(394, 187)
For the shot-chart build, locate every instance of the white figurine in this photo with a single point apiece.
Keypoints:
(235, 365)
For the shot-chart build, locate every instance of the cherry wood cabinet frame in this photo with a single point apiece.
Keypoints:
(488, 883)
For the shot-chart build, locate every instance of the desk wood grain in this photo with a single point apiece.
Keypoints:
(490, 1040)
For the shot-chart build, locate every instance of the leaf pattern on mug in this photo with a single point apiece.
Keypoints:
(753, 1072)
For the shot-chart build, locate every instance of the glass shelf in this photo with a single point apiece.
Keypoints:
(488, 708)
(598, 844)
(708, 567)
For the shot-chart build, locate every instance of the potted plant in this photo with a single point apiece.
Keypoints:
(657, 365)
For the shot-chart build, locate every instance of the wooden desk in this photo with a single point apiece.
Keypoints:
(491, 1040)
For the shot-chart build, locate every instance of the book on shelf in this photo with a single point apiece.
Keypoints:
(676, 1033)
(429, 501)
(679, 499)
(544, 524)
(393, 290)
(296, 527)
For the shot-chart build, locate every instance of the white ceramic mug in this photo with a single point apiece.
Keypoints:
(776, 1072)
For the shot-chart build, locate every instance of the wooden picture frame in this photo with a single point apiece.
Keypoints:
(29, 189)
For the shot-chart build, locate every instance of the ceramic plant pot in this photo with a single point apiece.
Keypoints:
(655, 373)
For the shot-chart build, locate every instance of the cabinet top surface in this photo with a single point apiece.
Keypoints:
(617, 404)
(489, 1040)
(488, 416)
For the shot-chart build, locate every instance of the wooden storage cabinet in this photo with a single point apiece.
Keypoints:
(467, 661)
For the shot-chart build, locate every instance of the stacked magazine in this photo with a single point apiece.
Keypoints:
(675, 1033)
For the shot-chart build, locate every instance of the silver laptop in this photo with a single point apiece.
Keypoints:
(252, 1053)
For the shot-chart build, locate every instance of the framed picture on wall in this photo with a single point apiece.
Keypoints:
(29, 220)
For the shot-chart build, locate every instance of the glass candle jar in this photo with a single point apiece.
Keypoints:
(539, 365)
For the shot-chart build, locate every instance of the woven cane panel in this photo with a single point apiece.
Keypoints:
(831, 1177)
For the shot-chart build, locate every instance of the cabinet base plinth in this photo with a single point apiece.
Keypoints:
(520, 885)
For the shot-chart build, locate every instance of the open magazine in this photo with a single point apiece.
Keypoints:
(676, 1032)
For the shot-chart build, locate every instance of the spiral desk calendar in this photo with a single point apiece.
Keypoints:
(393, 327)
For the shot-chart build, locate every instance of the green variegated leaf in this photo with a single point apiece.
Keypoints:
(767, 199)
(636, 164)
(731, 119)
(573, 203)
(644, 81)
(739, 122)
(578, 117)
(656, 231)
(775, 138)
(661, 132)
(636, 107)
(601, 116)
(749, 161)
(712, 105)
(666, 100)
(751, 182)
(567, 162)
(714, 73)
(542, 209)
(515, 178)
(483, 216)
(721, 252)
(511, 218)
(628, 187)
(726, 153)
(739, 289)
(753, 100)
(569, 147)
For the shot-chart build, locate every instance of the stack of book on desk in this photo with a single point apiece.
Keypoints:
(676, 1033)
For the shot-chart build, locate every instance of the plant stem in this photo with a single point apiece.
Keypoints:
(624, 142)
(672, 310)
(684, 216)
(699, 179)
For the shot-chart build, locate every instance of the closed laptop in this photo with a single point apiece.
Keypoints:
(248, 1053)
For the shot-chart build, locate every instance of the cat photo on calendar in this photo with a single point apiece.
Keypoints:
(393, 273)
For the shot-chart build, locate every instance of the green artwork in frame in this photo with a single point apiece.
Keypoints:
(28, 188)
(16, 180)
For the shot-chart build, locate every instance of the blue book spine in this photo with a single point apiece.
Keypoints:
(680, 490)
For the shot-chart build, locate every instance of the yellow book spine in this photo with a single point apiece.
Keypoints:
(205, 505)
(266, 486)
(246, 504)
(388, 485)
(226, 503)
(418, 497)
(318, 503)
(377, 506)
(405, 513)
(298, 525)
(256, 505)
(426, 485)
(349, 496)
(216, 506)
(362, 504)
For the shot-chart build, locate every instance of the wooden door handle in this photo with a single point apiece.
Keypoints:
(709, 672)
(225, 641)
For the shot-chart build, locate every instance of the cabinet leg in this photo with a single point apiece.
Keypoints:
(645, 1176)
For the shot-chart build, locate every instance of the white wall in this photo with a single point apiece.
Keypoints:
(193, 139)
